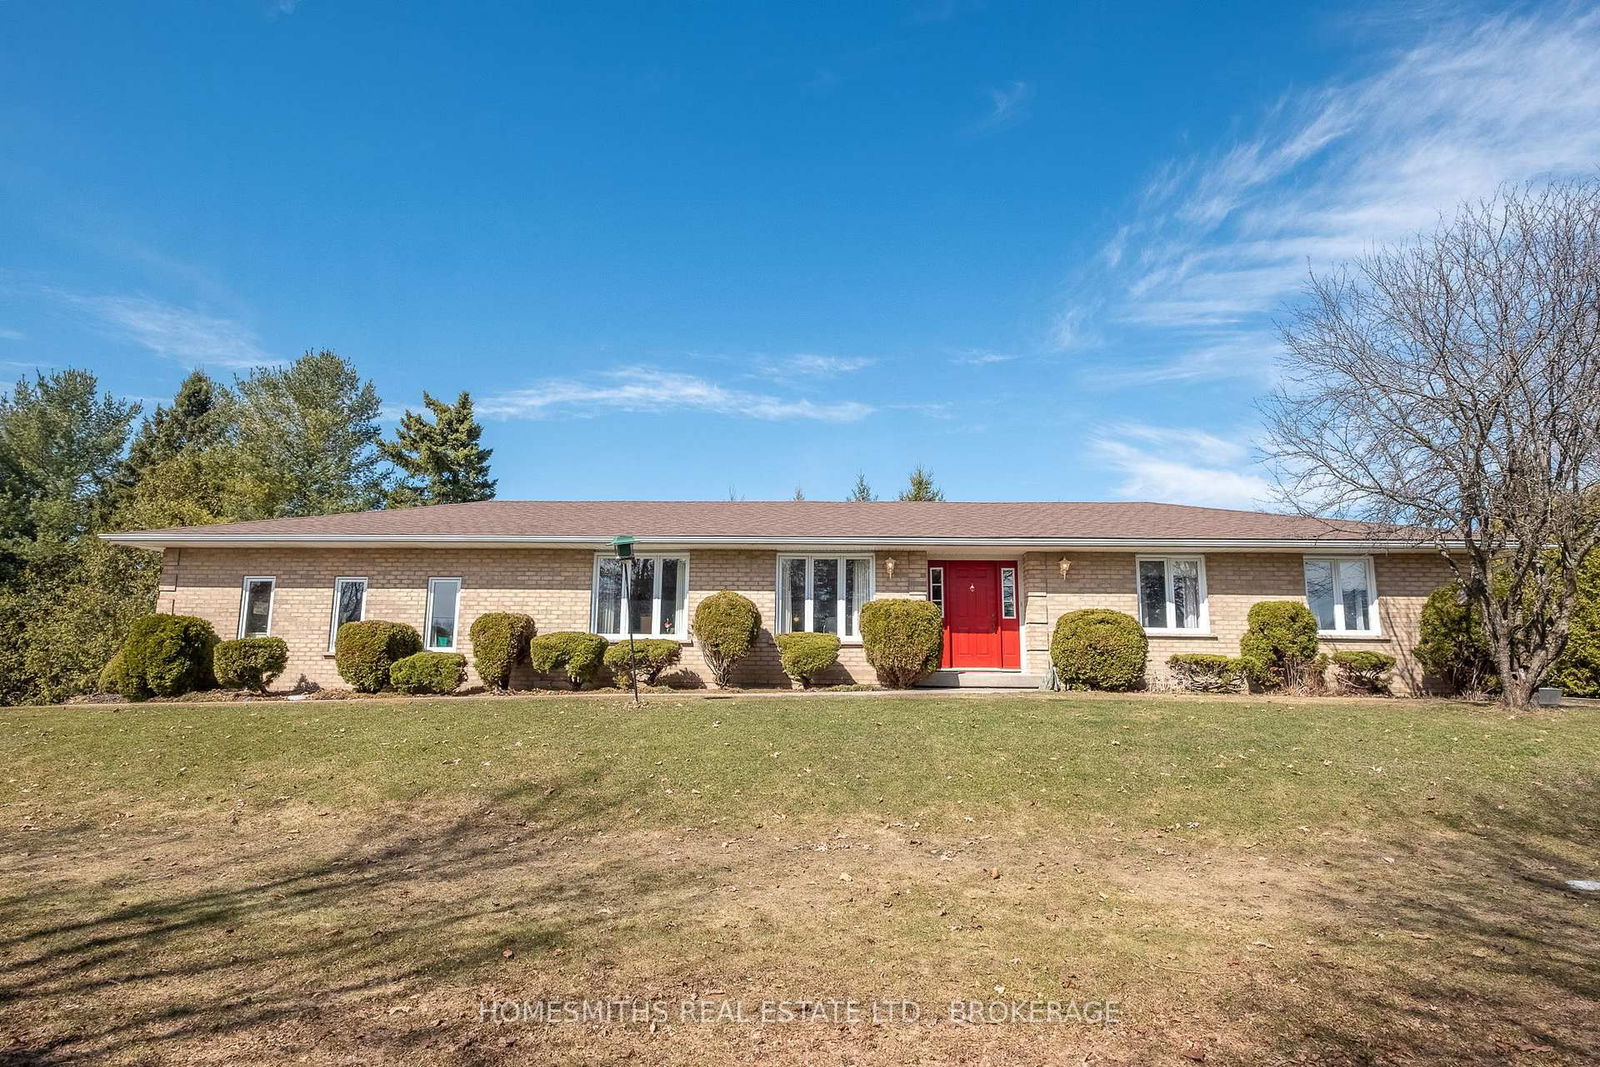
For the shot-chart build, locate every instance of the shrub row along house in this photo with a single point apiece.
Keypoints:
(1002, 574)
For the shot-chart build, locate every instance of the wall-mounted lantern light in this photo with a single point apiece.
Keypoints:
(888, 565)
(1065, 565)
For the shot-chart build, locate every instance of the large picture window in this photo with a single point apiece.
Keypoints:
(255, 607)
(349, 605)
(658, 606)
(823, 594)
(1340, 592)
(1172, 594)
(444, 609)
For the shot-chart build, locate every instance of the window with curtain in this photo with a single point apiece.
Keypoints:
(823, 594)
(255, 607)
(1340, 594)
(444, 604)
(1172, 593)
(656, 603)
(349, 605)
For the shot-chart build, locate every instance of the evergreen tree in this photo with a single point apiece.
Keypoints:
(862, 492)
(799, 493)
(441, 461)
(196, 420)
(921, 487)
(307, 438)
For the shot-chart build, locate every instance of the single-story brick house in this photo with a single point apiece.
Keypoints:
(1002, 572)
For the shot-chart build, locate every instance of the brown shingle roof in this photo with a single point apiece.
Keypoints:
(817, 520)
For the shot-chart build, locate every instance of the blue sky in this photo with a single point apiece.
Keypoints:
(678, 249)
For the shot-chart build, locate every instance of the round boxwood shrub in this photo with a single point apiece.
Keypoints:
(579, 656)
(1098, 648)
(649, 656)
(903, 639)
(164, 655)
(1279, 643)
(1363, 672)
(250, 662)
(1452, 646)
(500, 642)
(1205, 672)
(805, 656)
(436, 673)
(725, 628)
(364, 651)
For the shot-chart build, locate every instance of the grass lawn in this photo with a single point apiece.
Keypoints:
(1250, 880)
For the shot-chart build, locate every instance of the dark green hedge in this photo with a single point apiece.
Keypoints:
(1098, 648)
(500, 642)
(725, 629)
(364, 651)
(1279, 643)
(1363, 672)
(904, 639)
(1452, 648)
(250, 662)
(1206, 672)
(805, 656)
(434, 673)
(650, 656)
(164, 655)
(579, 656)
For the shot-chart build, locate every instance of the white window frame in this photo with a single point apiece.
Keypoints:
(427, 618)
(1016, 608)
(1339, 629)
(936, 575)
(333, 610)
(1170, 630)
(681, 636)
(781, 617)
(244, 600)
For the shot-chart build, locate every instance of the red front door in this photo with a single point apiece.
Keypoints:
(980, 612)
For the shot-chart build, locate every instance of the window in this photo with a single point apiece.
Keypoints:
(1172, 594)
(658, 605)
(255, 607)
(444, 604)
(936, 586)
(823, 594)
(1341, 593)
(1008, 592)
(349, 605)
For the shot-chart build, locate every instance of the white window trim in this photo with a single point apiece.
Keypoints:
(1204, 629)
(244, 600)
(939, 600)
(333, 610)
(427, 618)
(781, 619)
(1338, 598)
(1016, 608)
(682, 636)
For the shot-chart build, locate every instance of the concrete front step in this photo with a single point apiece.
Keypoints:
(976, 679)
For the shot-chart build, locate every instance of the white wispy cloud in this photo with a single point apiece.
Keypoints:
(1219, 242)
(802, 366)
(652, 390)
(1007, 105)
(1182, 466)
(183, 334)
(982, 358)
(12, 335)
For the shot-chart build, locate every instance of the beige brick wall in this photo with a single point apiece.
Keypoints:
(1234, 581)
(554, 587)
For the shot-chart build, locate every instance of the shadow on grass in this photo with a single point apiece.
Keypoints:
(1468, 947)
(278, 943)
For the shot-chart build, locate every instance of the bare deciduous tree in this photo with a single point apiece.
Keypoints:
(1452, 385)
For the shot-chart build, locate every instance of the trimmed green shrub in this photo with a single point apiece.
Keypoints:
(164, 655)
(250, 662)
(903, 639)
(579, 656)
(649, 656)
(1204, 672)
(1098, 648)
(1451, 644)
(725, 628)
(1364, 672)
(1279, 644)
(500, 642)
(364, 651)
(804, 656)
(1578, 669)
(429, 672)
